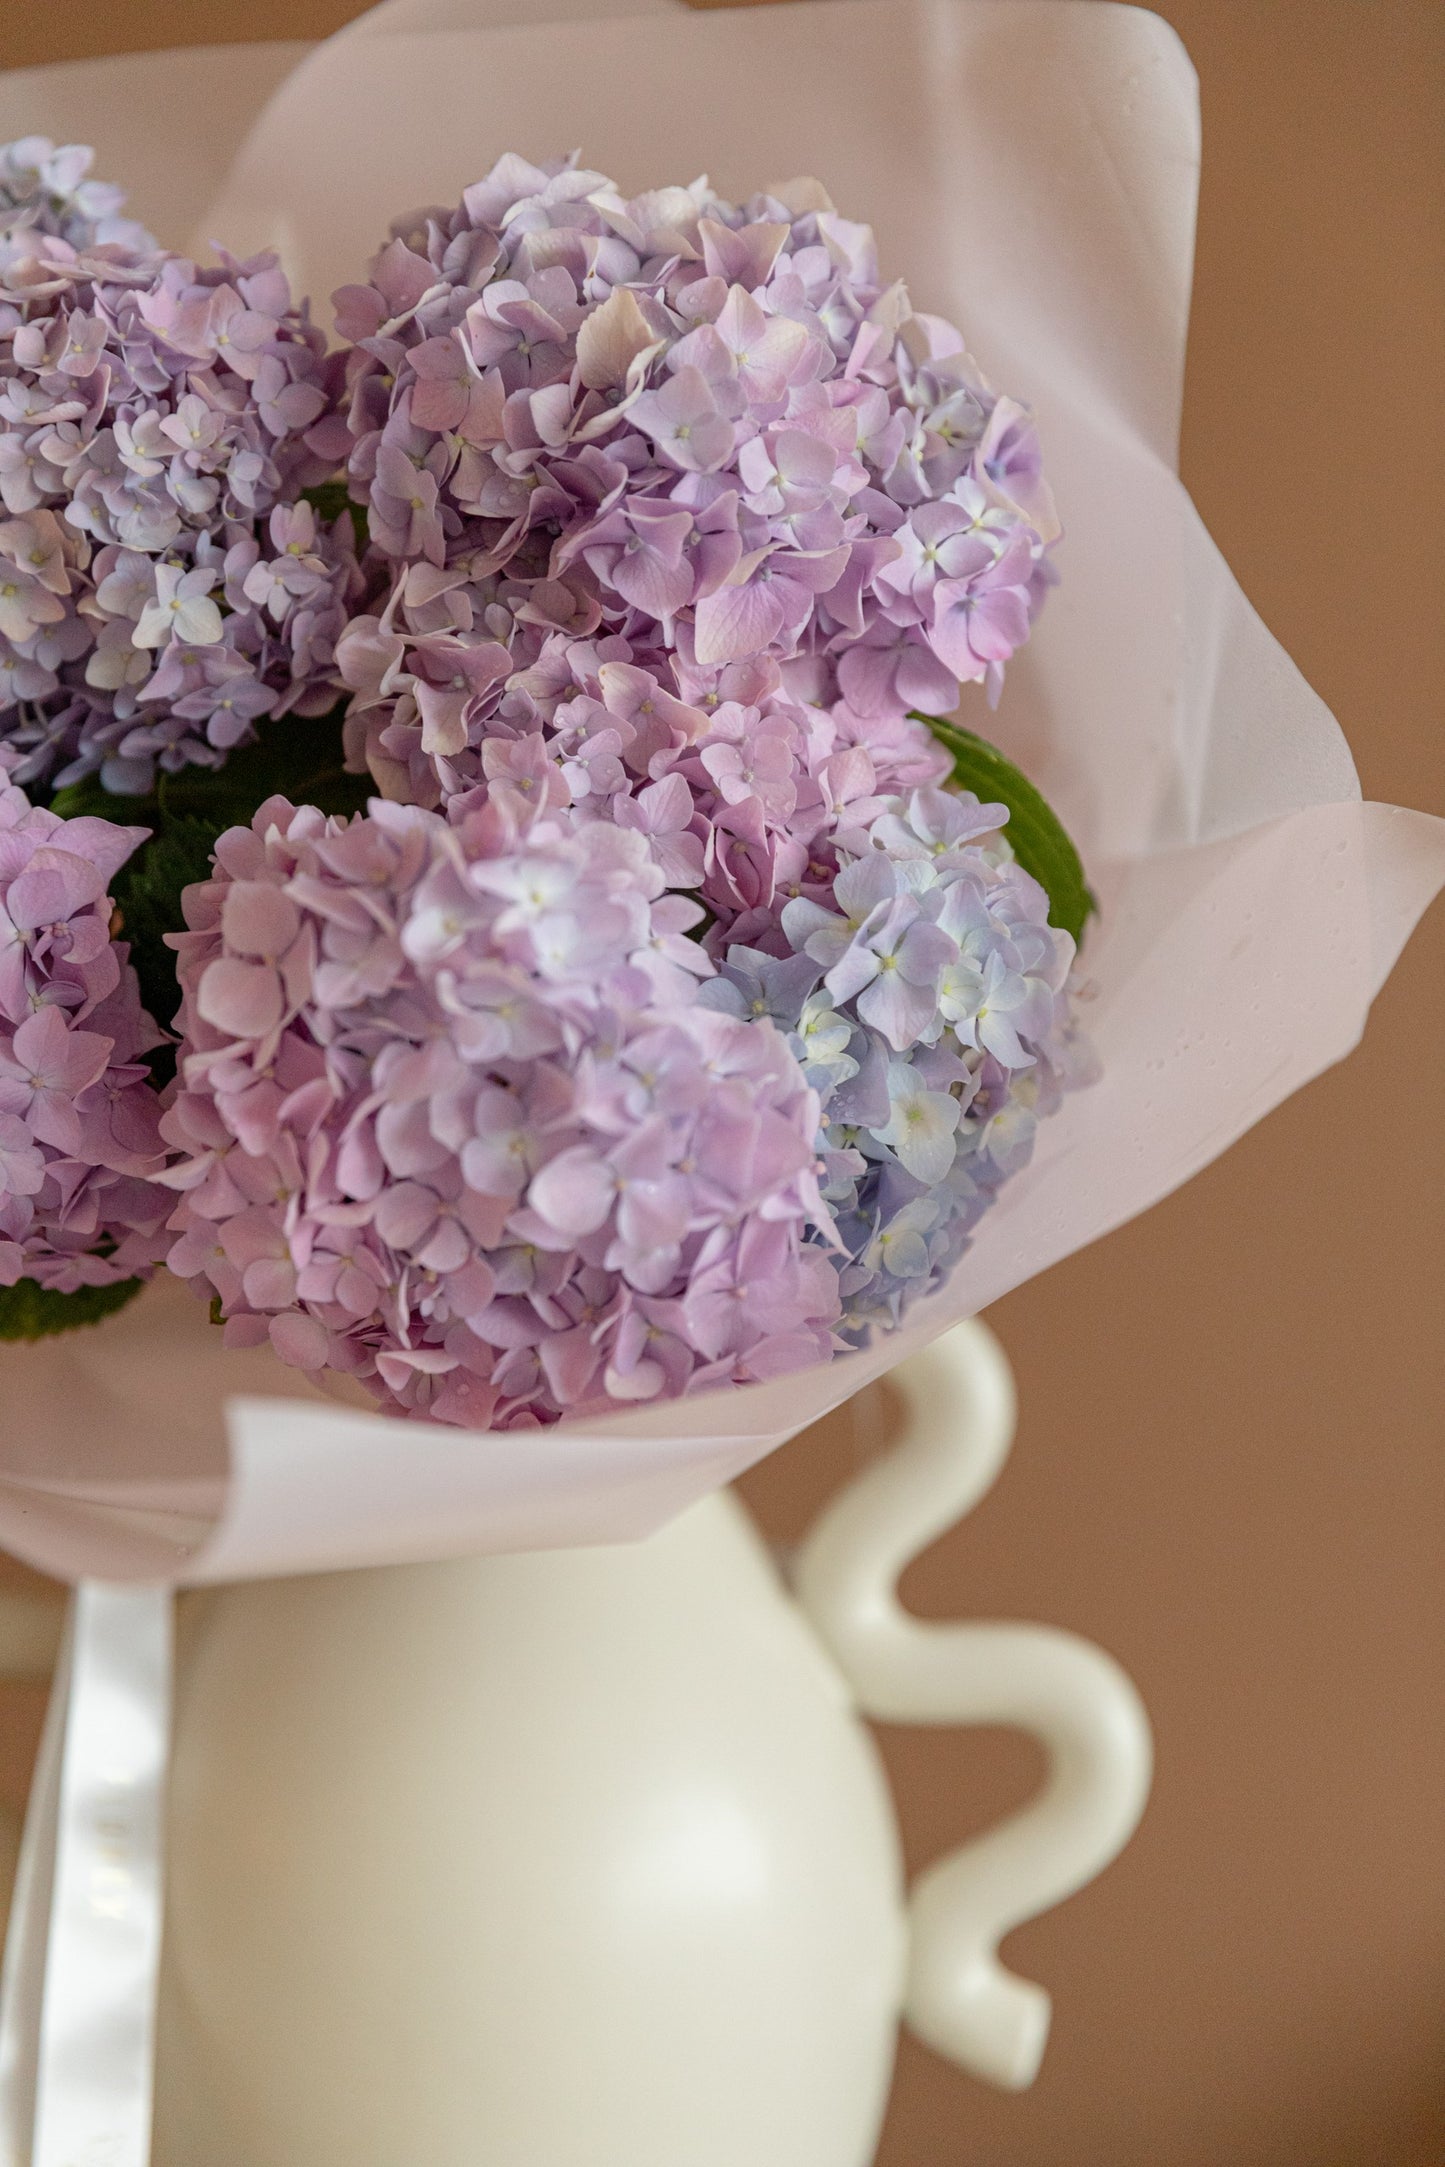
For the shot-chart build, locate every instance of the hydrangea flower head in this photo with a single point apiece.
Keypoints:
(709, 430)
(161, 588)
(454, 1121)
(80, 1141)
(926, 997)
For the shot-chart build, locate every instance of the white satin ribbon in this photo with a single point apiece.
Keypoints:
(82, 1955)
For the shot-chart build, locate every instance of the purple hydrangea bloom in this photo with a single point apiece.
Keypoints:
(80, 1142)
(161, 589)
(454, 1121)
(926, 997)
(709, 431)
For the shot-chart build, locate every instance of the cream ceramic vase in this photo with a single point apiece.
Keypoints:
(586, 1859)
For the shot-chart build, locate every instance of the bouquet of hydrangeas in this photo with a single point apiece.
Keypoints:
(490, 895)
(504, 887)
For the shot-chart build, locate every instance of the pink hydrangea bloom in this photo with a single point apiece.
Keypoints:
(80, 1142)
(453, 1120)
(708, 430)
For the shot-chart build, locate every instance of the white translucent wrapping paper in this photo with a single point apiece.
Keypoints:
(1030, 168)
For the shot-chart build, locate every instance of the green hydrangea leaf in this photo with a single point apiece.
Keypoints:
(1038, 837)
(147, 893)
(30, 1311)
(89, 799)
(300, 757)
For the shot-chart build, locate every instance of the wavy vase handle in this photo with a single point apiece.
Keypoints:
(956, 1430)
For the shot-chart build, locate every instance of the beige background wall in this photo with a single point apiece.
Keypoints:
(1230, 1468)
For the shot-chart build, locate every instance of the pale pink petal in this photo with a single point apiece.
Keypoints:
(300, 1341)
(736, 622)
(242, 999)
(574, 1192)
(258, 919)
(53, 887)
